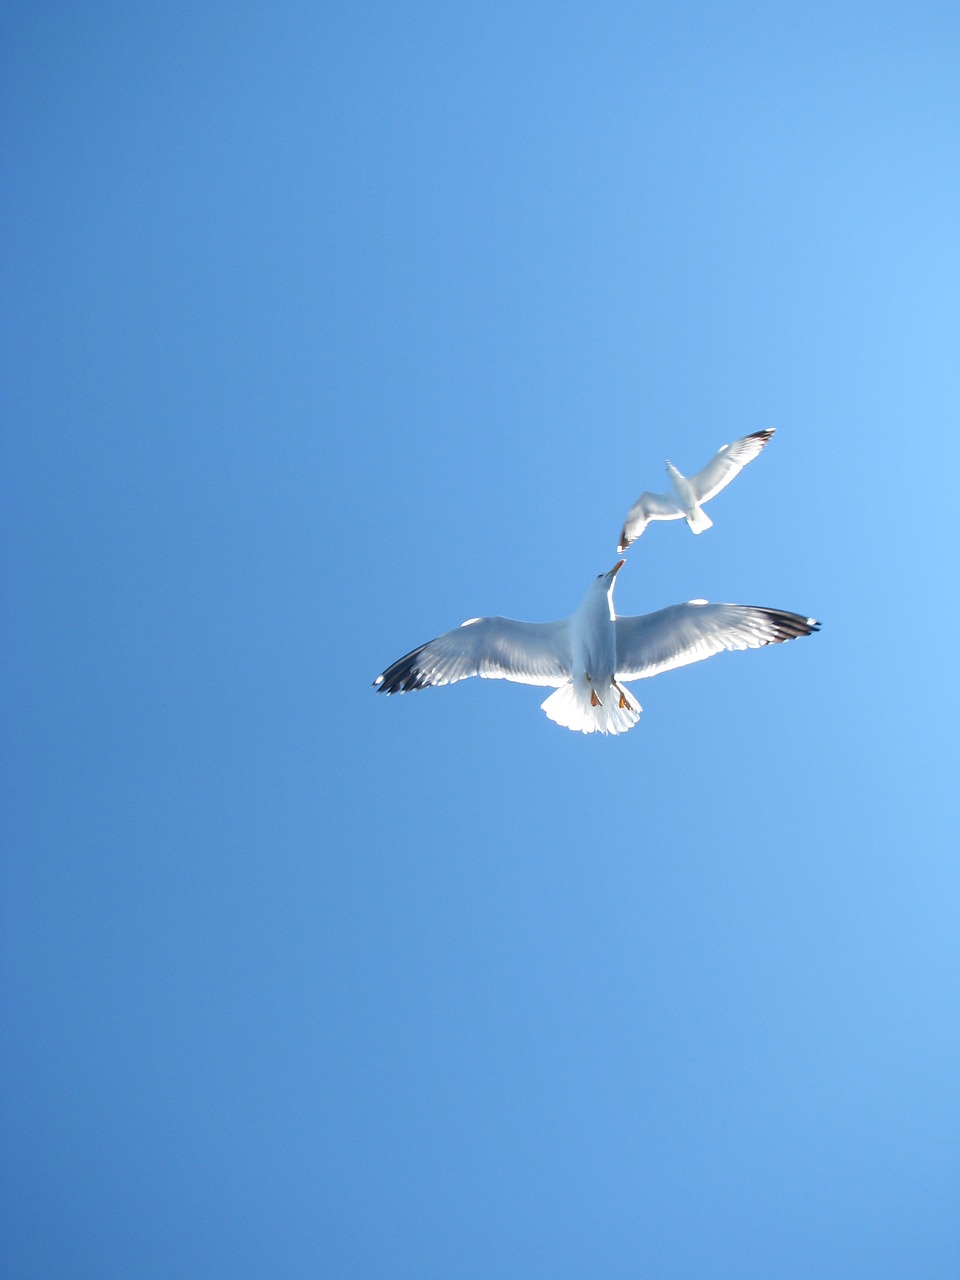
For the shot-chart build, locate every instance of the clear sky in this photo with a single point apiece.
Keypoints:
(328, 326)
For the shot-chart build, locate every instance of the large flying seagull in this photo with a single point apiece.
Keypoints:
(590, 656)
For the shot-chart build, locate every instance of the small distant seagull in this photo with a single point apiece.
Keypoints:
(688, 494)
(588, 656)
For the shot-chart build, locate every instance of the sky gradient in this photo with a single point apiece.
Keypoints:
(328, 327)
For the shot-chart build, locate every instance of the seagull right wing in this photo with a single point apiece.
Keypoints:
(728, 462)
(649, 506)
(685, 633)
(495, 648)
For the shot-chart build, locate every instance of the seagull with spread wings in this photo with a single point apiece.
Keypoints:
(590, 656)
(688, 493)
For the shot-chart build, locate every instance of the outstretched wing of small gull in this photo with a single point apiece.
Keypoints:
(496, 648)
(728, 462)
(685, 633)
(649, 506)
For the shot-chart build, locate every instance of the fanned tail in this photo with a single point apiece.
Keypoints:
(573, 707)
(699, 520)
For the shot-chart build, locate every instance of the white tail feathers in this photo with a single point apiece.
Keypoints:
(572, 707)
(699, 520)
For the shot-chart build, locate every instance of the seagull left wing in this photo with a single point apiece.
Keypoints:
(496, 648)
(649, 506)
(728, 462)
(685, 633)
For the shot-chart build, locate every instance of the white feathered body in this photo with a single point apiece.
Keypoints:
(590, 701)
(685, 495)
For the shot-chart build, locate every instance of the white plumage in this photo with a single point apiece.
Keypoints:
(588, 656)
(688, 493)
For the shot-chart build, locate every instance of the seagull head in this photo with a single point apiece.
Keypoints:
(606, 580)
(599, 598)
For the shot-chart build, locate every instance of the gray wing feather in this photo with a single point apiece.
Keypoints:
(728, 462)
(649, 506)
(495, 648)
(685, 633)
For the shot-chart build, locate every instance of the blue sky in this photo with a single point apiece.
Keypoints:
(328, 327)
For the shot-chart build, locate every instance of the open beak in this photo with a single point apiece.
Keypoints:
(616, 568)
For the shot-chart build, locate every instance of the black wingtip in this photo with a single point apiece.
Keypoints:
(402, 676)
(789, 626)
